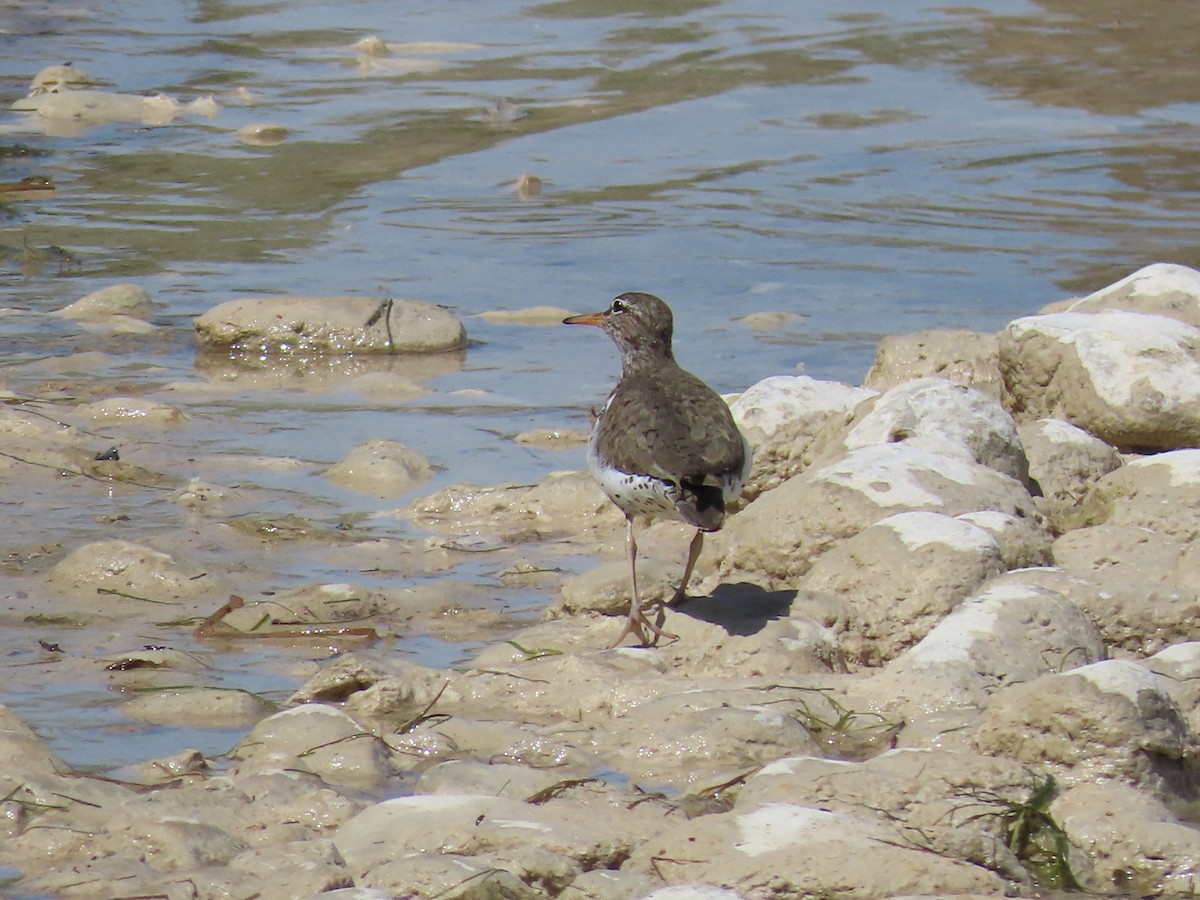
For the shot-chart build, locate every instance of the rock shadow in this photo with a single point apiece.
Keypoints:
(741, 609)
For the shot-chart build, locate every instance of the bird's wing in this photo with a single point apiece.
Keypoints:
(675, 432)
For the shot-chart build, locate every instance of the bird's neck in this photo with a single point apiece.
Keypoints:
(646, 358)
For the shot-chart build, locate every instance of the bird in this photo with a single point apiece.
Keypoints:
(665, 443)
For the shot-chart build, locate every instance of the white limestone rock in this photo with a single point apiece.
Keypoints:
(1160, 492)
(1160, 289)
(969, 358)
(1064, 462)
(1008, 633)
(380, 468)
(900, 577)
(782, 417)
(776, 539)
(1109, 719)
(1130, 379)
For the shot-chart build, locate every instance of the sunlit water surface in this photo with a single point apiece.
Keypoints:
(869, 168)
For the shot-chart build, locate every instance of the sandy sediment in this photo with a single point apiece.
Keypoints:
(945, 646)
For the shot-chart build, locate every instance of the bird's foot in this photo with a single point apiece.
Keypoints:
(642, 628)
(678, 598)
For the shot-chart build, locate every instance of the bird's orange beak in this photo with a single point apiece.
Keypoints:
(596, 318)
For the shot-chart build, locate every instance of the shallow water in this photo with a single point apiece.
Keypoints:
(868, 168)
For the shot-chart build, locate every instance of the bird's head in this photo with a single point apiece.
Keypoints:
(639, 324)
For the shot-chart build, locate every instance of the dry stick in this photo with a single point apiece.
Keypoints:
(208, 628)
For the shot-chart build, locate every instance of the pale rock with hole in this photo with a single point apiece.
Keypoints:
(329, 325)
(969, 358)
(1109, 719)
(1130, 379)
(1160, 289)
(387, 690)
(782, 416)
(1141, 603)
(901, 577)
(1064, 463)
(809, 852)
(1007, 633)
(776, 539)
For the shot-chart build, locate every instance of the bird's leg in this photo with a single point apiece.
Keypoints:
(637, 624)
(693, 554)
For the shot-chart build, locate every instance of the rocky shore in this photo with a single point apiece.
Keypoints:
(945, 647)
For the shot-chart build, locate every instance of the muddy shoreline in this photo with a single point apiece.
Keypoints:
(946, 645)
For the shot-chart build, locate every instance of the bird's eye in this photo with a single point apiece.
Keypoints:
(618, 305)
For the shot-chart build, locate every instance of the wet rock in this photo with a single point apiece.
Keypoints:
(969, 358)
(1142, 600)
(696, 738)
(22, 752)
(117, 300)
(809, 852)
(64, 77)
(79, 108)
(202, 497)
(775, 540)
(1006, 634)
(1160, 492)
(132, 411)
(1064, 463)
(383, 689)
(944, 796)
(461, 776)
(171, 768)
(330, 325)
(1160, 289)
(942, 417)
(316, 739)
(282, 806)
(564, 503)
(198, 708)
(297, 869)
(106, 577)
(381, 469)
(545, 848)
(1127, 378)
(1109, 719)
(903, 575)
(554, 438)
(781, 417)
(1125, 840)
(263, 134)
(770, 320)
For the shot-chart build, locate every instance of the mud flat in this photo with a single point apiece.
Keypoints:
(947, 646)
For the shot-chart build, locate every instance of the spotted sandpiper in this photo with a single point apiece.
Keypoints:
(665, 444)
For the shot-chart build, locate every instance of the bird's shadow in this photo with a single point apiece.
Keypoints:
(741, 609)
